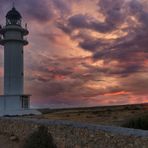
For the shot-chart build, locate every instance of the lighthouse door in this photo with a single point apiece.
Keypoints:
(25, 102)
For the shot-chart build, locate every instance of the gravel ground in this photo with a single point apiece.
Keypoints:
(111, 129)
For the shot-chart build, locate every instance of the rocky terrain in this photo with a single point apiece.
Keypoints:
(7, 142)
(107, 115)
(66, 121)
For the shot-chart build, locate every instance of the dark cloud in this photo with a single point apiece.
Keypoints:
(90, 44)
(113, 10)
(122, 49)
(62, 6)
(114, 16)
(36, 10)
(79, 21)
(87, 22)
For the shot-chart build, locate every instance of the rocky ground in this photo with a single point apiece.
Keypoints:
(112, 115)
(7, 142)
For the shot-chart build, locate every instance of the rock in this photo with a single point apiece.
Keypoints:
(92, 136)
(13, 138)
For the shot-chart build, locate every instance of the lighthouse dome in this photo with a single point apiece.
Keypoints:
(13, 17)
(13, 14)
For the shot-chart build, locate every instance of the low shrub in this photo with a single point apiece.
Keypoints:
(138, 123)
(40, 139)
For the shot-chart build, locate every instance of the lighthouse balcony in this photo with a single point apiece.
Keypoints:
(4, 29)
(4, 41)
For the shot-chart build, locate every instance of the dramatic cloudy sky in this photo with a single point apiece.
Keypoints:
(84, 52)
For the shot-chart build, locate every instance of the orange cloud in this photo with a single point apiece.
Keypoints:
(58, 77)
(117, 93)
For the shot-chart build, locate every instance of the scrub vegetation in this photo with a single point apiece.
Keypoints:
(138, 123)
(40, 139)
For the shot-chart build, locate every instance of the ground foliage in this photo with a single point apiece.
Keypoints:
(40, 139)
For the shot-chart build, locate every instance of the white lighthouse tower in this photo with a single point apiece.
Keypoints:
(14, 101)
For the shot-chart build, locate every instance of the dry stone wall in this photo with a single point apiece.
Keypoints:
(68, 134)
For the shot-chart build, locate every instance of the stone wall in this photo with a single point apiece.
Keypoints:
(68, 134)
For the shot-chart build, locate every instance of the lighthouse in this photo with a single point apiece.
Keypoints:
(12, 38)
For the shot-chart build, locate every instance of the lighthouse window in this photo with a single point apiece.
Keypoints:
(25, 103)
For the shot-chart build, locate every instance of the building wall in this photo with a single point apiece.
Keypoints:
(68, 134)
(12, 102)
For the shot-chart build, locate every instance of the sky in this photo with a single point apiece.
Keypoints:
(83, 52)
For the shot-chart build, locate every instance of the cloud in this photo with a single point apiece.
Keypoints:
(85, 53)
(85, 21)
(61, 6)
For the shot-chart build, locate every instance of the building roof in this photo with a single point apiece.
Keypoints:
(13, 14)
